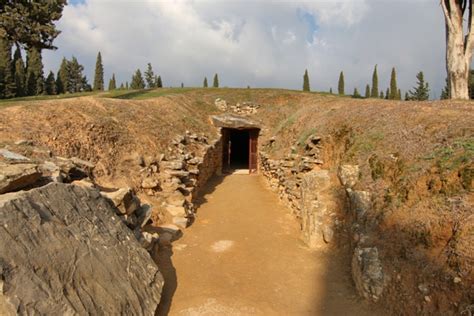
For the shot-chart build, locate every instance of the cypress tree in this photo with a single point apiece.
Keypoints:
(204, 84)
(150, 77)
(330, 90)
(7, 84)
(306, 81)
(381, 95)
(112, 84)
(216, 81)
(182, 85)
(356, 94)
(399, 94)
(34, 72)
(393, 85)
(122, 86)
(99, 74)
(446, 92)
(20, 77)
(367, 91)
(50, 84)
(159, 83)
(62, 77)
(340, 86)
(375, 84)
(126, 85)
(137, 81)
(421, 92)
(407, 98)
(387, 94)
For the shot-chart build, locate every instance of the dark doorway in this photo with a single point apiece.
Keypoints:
(240, 149)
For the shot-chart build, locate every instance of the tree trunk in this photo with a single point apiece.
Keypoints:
(458, 47)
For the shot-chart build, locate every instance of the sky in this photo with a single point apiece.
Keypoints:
(260, 43)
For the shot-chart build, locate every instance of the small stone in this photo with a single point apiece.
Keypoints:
(424, 288)
(328, 234)
(457, 280)
(150, 183)
(12, 156)
(180, 222)
(427, 299)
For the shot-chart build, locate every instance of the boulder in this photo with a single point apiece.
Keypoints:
(124, 200)
(234, 121)
(174, 210)
(64, 251)
(348, 175)
(9, 155)
(367, 273)
(17, 176)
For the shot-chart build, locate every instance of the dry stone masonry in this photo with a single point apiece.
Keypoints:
(244, 108)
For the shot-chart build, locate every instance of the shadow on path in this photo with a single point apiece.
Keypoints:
(164, 262)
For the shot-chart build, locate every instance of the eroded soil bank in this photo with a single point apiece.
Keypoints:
(243, 256)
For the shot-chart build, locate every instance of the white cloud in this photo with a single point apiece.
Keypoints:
(259, 43)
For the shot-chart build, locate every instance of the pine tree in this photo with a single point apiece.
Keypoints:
(137, 81)
(422, 91)
(387, 94)
(34, 72)
(340, 86)
(356, 94)
(112, 84)
(50, 84)
(393, 85)
(150, 77)
(446, 94)
(159, 83)
(7, 84)
(204, 84)
(306, 81)
(76, 81)
(215, 84)
(62, 77)
(375, 84)
(367, 91)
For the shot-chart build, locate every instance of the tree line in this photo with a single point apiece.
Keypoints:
(420, 92)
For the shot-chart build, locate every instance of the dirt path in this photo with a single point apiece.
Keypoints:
(242, 256)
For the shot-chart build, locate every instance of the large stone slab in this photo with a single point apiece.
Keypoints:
(64, 251)
(234, 121)
(17, 176)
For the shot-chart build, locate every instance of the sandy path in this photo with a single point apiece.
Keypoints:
(242, 256)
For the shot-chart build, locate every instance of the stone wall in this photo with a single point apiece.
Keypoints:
(211, 165)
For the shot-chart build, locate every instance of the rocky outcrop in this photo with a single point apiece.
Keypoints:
(367, 273)
(244, 108)
(65, 251)
(17, 176)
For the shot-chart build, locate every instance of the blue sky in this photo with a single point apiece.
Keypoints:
(258, 43)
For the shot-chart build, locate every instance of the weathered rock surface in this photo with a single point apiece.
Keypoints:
(64, 251)
(348, 175)
(368, 273)
(233, 121)
(17, 176)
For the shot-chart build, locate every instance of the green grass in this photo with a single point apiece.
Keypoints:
(48, 97)
(147, 94)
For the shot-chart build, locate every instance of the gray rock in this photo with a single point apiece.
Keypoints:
(143, 215)
(233, 121)
(17, 176)
(367, 273)
(64, 251)
(124, 200)
(348, 175)
(360, 202)
(5, 153)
